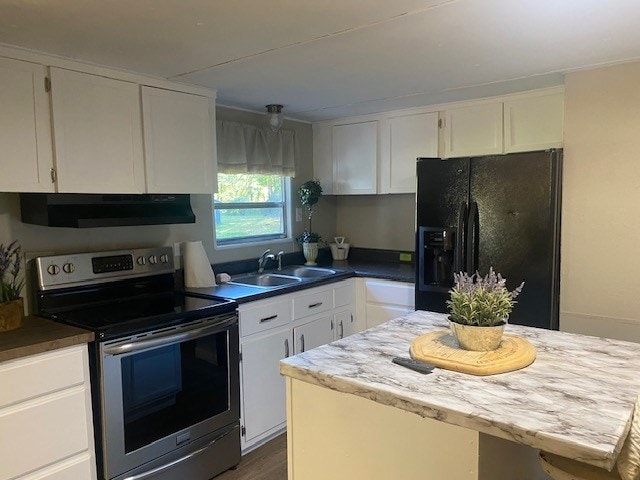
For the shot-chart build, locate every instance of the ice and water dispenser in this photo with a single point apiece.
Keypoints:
(439, 260)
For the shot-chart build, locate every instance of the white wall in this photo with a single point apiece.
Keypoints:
(377, 221)
(600, 277)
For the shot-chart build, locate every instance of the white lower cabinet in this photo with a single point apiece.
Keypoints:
(275, 328)
(263, 388)
(345, 323)
(378, 301)
(46, 424)
(319, 330)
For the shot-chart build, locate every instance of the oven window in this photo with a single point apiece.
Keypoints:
(174, 387)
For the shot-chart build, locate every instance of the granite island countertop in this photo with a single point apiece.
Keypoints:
(576, 400)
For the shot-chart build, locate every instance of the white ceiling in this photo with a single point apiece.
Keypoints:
(334, 58)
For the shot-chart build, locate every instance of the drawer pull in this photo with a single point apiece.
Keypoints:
(266, 319)
(314, 305)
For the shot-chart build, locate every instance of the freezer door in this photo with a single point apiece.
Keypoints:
(443, 186)
(518, 228)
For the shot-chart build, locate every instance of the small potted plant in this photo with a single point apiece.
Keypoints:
(479, 309)
(11, 305)
(309, 193)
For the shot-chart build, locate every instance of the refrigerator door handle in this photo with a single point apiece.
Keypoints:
(473, 234)
(459, 260)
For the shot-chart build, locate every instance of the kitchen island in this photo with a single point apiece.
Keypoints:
(354, 414)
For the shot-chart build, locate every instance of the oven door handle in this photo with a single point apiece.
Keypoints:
(162, 468)
(170, 337)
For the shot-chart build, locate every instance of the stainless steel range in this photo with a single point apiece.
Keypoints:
(164, 366)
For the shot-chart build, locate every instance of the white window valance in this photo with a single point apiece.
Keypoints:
(244, 148)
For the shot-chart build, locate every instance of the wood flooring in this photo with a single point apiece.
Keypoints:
(268, 462)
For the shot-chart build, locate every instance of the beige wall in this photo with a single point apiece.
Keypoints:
(600, 277)
(37, 239)
(377, 221)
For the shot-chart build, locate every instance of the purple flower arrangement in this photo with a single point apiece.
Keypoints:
(10, 263)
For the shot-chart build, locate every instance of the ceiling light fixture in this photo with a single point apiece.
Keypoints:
(274, 116)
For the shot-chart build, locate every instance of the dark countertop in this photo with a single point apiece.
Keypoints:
(38, 335)
(396, 271)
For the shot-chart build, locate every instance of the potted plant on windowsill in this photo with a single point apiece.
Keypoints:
(309, 193)
(11, 304)
(479, 309)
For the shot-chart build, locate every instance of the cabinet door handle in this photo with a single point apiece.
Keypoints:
(351, 317)
(266, 319)
(332, 325)
(286, 348)
(314, 305)
(341, 329)
(302, 342)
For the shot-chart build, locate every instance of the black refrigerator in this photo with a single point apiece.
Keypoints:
(500, 211)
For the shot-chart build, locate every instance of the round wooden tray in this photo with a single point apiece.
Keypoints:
(441, 349)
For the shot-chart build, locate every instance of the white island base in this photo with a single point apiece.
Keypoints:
(335, 435)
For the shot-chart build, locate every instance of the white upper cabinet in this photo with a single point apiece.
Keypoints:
(408, 137)
(355, 158)
(533, 123)
(473, 130)
(322, 156)
(179, 142)
(97, 128)
(377, 153)
(25, 129)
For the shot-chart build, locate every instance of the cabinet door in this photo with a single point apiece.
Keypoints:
(317, 332)
(178, 142)
(25, 128)
(263, 388)
(533, 123)
(409, 137)
(98, 133)
(323, 156)
(474, 130)
(344, 323)
(355, 158)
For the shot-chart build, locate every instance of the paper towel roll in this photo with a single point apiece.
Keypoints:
(197, 269)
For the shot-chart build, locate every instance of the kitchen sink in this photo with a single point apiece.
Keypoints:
(266, 280)
(302, 271)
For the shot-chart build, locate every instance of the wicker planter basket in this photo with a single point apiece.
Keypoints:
(11, 314)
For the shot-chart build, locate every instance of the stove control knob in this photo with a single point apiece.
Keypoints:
(141, 261)
(53, 269)
(68, 268)
(164, 258)
(153, 259)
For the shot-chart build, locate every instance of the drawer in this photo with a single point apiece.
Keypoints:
(343, 294)
(264, 315)
(43, 431)
(312, 303)
(390, 293)
(79, 467)
(30, 377)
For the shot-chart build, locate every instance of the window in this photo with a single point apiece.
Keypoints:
(250, 208)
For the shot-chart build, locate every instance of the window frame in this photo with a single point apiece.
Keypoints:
(286, 237)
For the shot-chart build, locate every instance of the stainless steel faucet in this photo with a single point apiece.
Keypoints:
(280, 254)
(266, 256)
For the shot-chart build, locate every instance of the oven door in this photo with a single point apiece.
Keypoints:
(165, 389)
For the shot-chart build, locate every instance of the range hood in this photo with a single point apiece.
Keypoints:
(90, 210)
